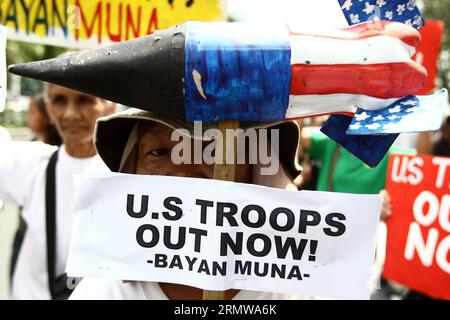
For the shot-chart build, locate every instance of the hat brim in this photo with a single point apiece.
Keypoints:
(112, 132)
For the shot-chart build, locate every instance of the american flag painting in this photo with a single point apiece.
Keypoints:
(405, 11)
(410, 114)
(365, 65)
(267, 73)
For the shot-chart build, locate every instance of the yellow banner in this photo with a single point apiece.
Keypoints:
(90, 23)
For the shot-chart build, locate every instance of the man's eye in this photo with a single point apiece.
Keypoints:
(160, 152)
(59, 100)
(82, 100)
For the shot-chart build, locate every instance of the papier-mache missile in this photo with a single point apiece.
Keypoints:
(211, 72)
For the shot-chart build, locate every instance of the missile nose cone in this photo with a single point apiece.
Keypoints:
(23, 69)
(40, 70)
(145, 73)
(16, 69)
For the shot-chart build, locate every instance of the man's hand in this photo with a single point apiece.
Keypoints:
(386, 208)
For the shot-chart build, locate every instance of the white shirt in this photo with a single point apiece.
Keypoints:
(22, 181)
(4, 135)
(109, 289)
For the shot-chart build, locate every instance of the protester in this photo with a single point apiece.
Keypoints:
(38, 177)
(440, 148)
(148, 151)
(39, 122)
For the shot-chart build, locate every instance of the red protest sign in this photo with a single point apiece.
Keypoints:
(418, 233)
(428, 52)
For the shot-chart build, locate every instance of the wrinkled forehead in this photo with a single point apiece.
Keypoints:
(57, 89)
(52, 89)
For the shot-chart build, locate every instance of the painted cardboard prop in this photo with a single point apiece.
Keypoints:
(252, 73)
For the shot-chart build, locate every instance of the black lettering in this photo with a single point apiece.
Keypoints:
(290, 245)
(226, 210)
(217, 268)
(57, 16)
(251, 245)
(262, 273)
(198, 233)
(130, 206)
(176, 209)
(204, 267)
(26, 10)
(240, 268)
(11, 15)
(246, 216)
(295, 273)
(280, 272)
(305, 222)
(204, 208)
(235, 246)
(181, 238)
(330, 219)
(176, 263)
(140, 236)
(274, 219)
(190, 262)
(41, 20)
(160, 261)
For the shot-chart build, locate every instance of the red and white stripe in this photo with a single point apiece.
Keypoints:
(368, 65)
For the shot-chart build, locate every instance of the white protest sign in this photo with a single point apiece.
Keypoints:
(217, 235)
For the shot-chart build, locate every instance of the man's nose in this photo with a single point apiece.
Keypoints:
(72, 111)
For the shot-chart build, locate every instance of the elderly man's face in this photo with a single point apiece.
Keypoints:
(154, 156)
(74, 113)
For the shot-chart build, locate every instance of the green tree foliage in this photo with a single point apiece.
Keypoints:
(18, 52)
